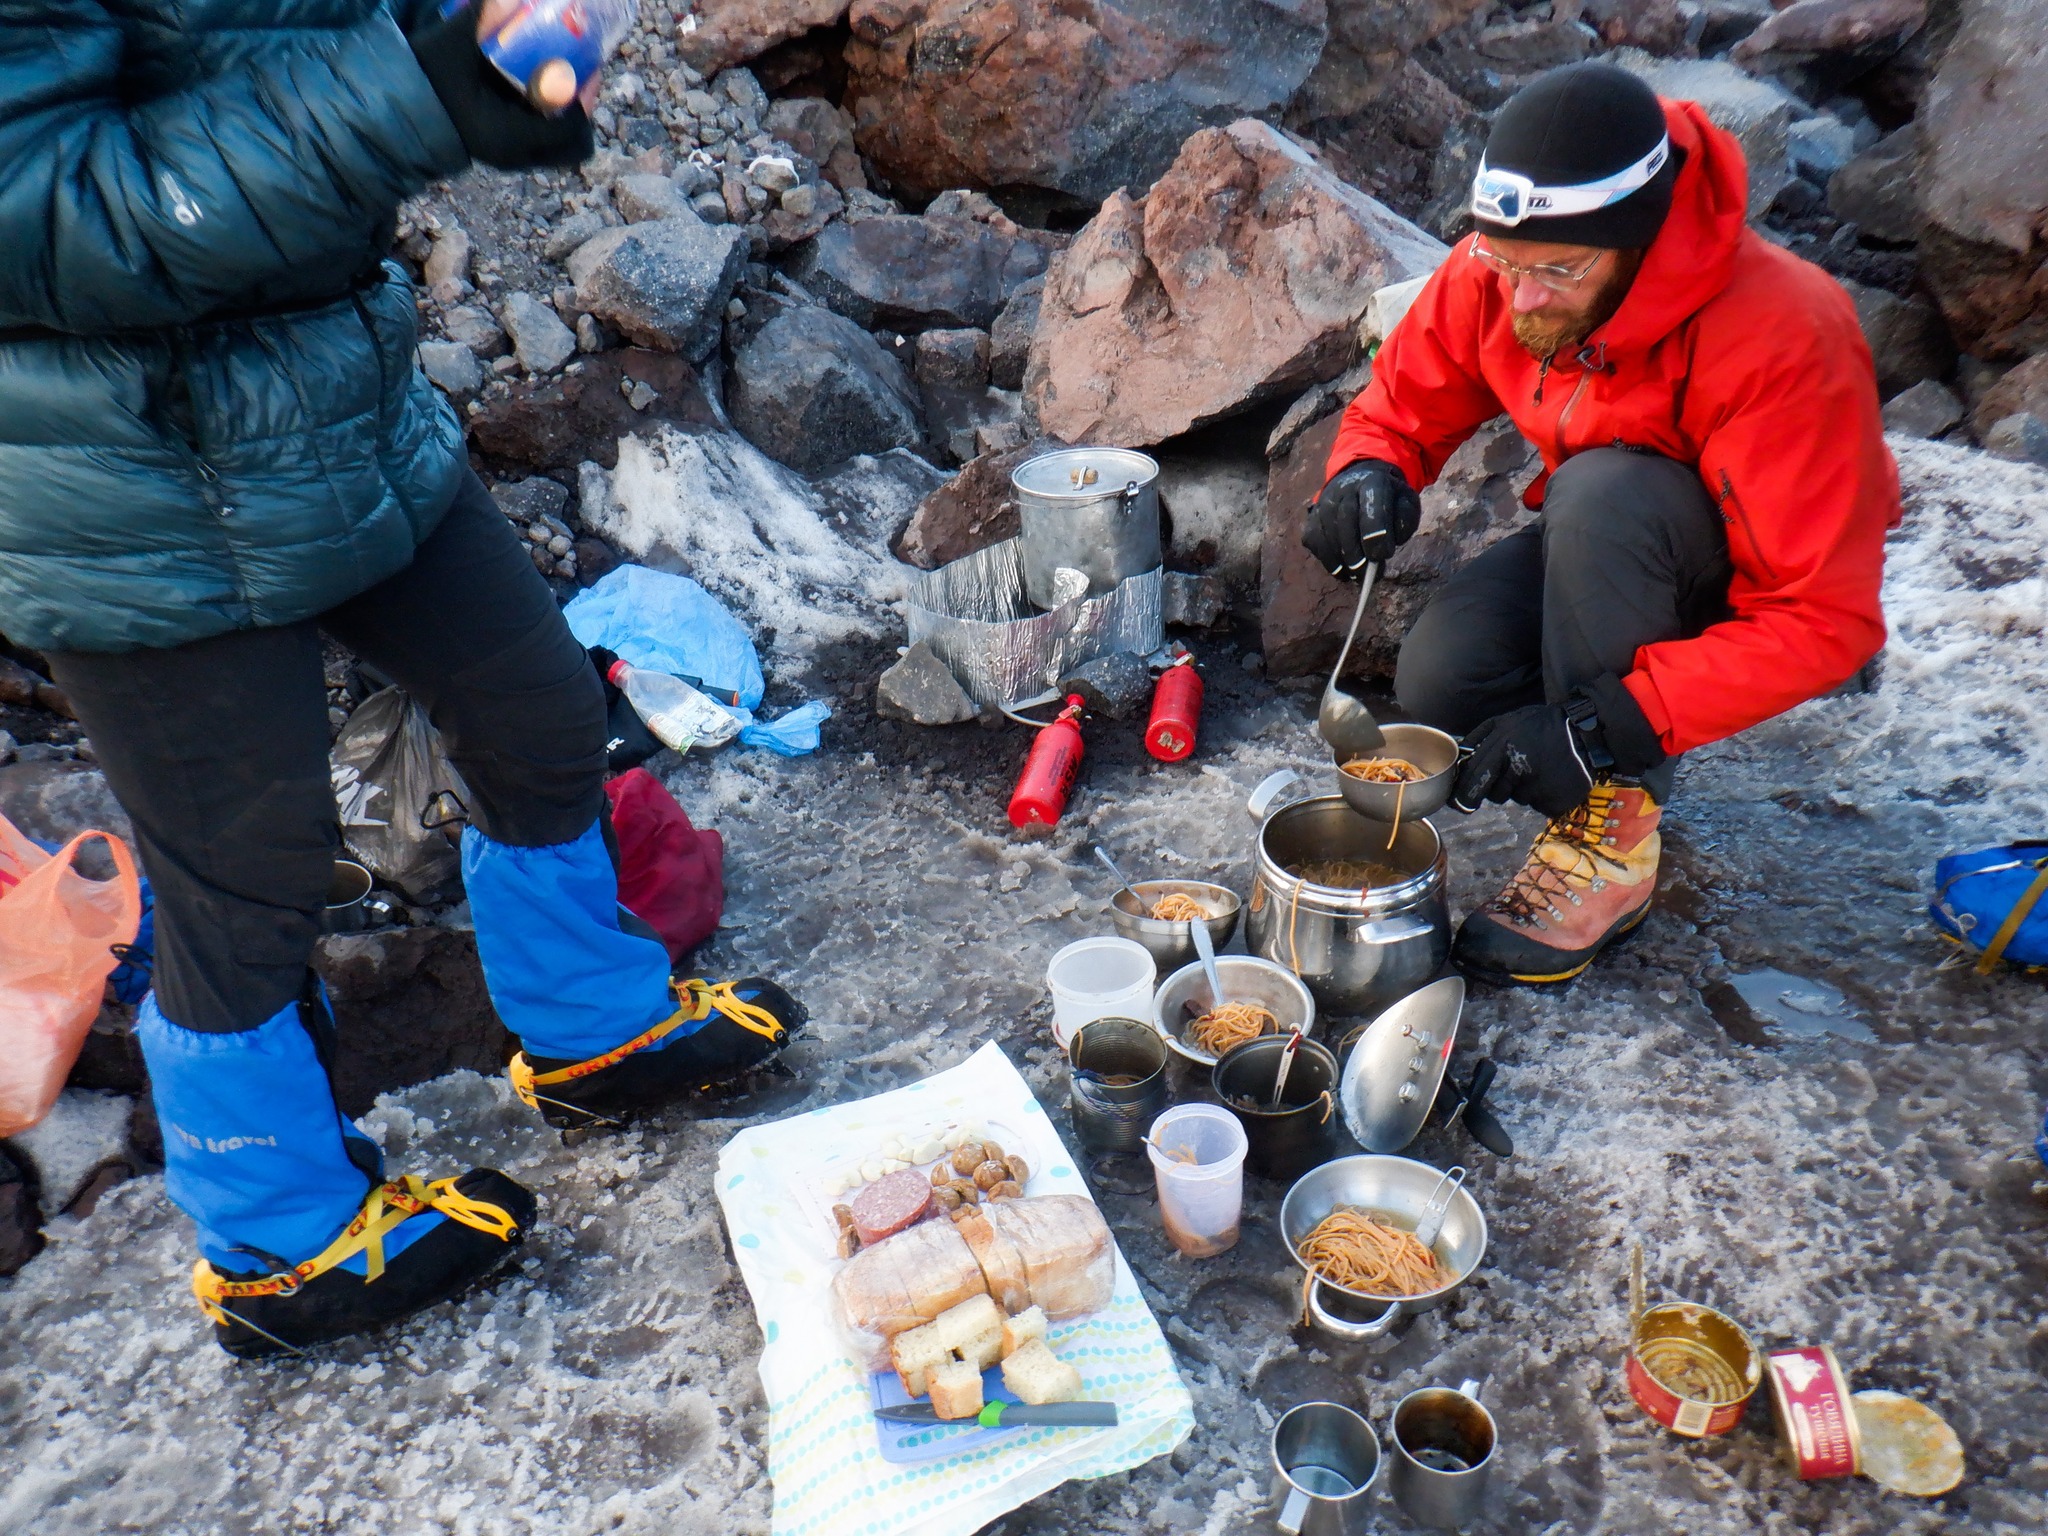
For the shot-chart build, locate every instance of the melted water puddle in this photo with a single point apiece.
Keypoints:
(1795, 1006)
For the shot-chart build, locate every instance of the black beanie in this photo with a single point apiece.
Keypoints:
(1568, 127)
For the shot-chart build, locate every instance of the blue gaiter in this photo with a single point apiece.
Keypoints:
(565, 978)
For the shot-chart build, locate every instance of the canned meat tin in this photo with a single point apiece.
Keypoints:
(1692, 1369)
(1810, 1397)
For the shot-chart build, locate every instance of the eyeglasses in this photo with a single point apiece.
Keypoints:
(1556, 279)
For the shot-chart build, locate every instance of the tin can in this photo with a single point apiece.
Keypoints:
(1810, 1399)
(1692, 1369)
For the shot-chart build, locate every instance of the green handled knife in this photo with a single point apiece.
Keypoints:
(1008, 1415)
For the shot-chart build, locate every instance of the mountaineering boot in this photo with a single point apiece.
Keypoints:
(302, 1237)
(718, 1032)
(1587, 881)
(473, 1223)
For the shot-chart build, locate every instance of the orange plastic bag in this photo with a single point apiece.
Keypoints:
(57, 936)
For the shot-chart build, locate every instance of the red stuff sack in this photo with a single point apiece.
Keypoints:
(671, 876)
(57, 936)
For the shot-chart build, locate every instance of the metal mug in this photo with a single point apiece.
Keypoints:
(1325, 1458)
(347, 899)
(1111, 1116)
(1442, 1455)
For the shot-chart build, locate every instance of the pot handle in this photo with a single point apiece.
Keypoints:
(1390, 932)
(1325, 1319)
(1271, 793)
(1294, 1512)
(1127, 499)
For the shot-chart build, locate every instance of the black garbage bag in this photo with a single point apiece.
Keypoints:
(401, 802)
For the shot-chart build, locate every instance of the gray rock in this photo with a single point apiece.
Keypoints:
(800, 201)
(410, 1005)
(56, 800)
(475, 329)
(84, 1134)
(448, 262)
(589, 334)
(531, 500)
(21, 1220)
(812, 388)
(952, 359)
(452, 366)
(1193, 600)
(870, 498)
(1928, 409)
(710, 206)
(2022, 436)
(664, 284)
(643, 198)
(1010, 336)
(1874, 190)
(1908, 340)
(572, 232)
(1116, 686)
(1757, 113)
(773, 173)
(1819, 146)
(802, 212)
(913, 274)
(920, 689)
(539, 339)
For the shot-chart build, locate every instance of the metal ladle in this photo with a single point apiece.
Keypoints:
(1342, 718)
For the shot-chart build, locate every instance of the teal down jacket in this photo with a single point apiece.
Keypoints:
(210, 417)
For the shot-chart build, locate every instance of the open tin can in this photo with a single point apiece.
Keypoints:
(1816, 1417)
(1692, 1369)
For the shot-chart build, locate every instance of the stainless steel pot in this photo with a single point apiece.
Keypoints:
(1399, 1188)
(1092, 510)
(1359, 951)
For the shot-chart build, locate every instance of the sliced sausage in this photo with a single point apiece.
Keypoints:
(890, 1204)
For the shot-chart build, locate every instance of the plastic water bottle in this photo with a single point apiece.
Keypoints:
(543, 42)
(678, 714)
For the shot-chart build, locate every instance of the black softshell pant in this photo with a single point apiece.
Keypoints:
(218, 750)
(1630, 550)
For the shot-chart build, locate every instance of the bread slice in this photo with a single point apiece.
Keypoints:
(914, 1353)
(1036, 1375)
(1063, 1245)
(1022, 1329)
(956, 1390)
(1001, 1265)
(957, 1327)
(907, 1279)
(984, 1349)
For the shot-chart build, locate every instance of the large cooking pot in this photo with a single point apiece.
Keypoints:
(1402, 1190)
(1092, 510)
(1359, 951)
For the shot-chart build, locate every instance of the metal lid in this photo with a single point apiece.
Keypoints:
(1907, 1446)
(1394, 1072)
(1083, 473)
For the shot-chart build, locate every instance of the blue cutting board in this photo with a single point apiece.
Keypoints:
(926, 1442)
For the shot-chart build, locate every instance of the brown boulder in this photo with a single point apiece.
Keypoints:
(1983, 179)
(820, 132)
(409, 1004)
(2022, 391)
(736, 31)
(971, 511)
(1075, 99)
(565, 420)
(1241, 276)
(1305, 610)
(1851, 35)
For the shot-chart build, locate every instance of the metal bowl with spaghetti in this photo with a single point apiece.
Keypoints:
(1396, 1193)
(1259, 989)
(1409, 776)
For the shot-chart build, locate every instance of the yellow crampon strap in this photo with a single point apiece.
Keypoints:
(384, 1209)
(2013, 920)
(697, 1001)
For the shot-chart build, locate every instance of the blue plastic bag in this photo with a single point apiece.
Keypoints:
(670, 624)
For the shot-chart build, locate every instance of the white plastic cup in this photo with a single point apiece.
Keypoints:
(1099, 978)
(1197, 1153)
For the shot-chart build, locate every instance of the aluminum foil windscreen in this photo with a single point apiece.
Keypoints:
(975, 617)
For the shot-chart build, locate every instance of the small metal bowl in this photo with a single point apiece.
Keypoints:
(1432, 750)
(1246, 979)
(1172, 944)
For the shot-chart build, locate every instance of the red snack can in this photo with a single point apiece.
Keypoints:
(1810, 1398)
(1176, 711)
(1692, 1369)
(1041, 793)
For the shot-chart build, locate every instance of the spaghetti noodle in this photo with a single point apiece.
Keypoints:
(1384, 770)
(1228, 1025)
(1367, 1254)
(1177, 908)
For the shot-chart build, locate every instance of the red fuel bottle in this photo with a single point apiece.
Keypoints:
(1041, 792)
(1176, 711)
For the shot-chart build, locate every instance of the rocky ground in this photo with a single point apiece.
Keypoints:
(835, 270)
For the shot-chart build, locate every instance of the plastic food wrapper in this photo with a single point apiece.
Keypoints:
(824, 1455)
(668, 623)
(977, 620)
(399, 797)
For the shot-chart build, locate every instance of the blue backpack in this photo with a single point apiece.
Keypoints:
(1991, 901)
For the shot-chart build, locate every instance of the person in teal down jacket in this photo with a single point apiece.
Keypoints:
(215, 446)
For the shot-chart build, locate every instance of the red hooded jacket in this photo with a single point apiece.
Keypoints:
(1728, 354)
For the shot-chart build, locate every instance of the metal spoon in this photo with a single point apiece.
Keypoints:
(1205, 951)
(1110, 864)
(1286, 1064)
(1344, 721)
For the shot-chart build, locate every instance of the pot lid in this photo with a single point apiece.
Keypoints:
(1907, 1446)
(1084, 473)
(1394, 1072)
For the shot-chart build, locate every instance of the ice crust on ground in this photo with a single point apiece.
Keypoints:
(1879, 1196)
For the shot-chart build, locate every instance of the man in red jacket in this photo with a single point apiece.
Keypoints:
(1715, 498)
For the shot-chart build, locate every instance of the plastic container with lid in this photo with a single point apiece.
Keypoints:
(1197, 1153)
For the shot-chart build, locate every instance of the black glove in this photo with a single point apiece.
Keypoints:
(1365, 513)
(497, 124)
(1546, 756)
